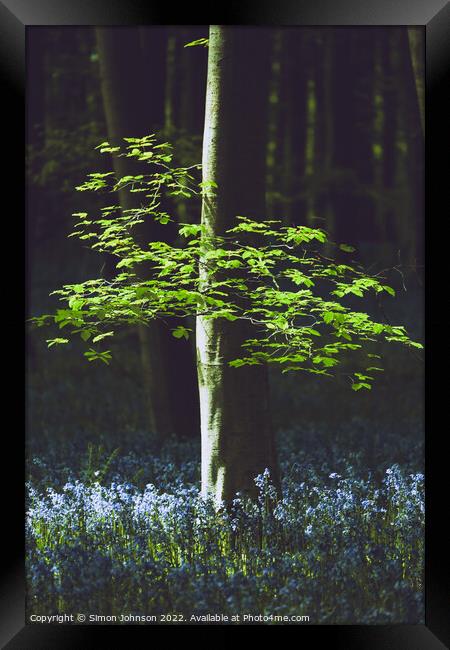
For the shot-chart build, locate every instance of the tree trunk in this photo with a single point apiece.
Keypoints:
(368, 117)
(311, 130)
(416, 43)
(237, 436)
(415, 158)
(169, 102)
(273, 123)
(151, 81)
(379, 73)
(132, 111)
(291, 161)
(36, 109)
(389, 135)
(325, 130)
(179, 357)
(344, 148)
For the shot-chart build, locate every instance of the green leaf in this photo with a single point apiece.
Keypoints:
(100, 337)
(57, 341)
(328, 362)
(199, 41)
(389, 290)
(346, 248)
(359, 385)
(237, 363)
(190, 229)
(181, 332)
(162, 280)
(76, 303)
(93, 355)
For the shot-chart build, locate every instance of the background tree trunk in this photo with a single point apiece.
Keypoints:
(379, 113)
(134, 106)
(342, 188)
(414, 225)
(325, 132)
(237, 436)
(416, 43)
(36, 116)
(291, 159)
(389, 135)
(273, 123)
(310, 152)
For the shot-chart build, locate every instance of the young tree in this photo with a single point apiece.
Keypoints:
(237, 435)
(262, 292)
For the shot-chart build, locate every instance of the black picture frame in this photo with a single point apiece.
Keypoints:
(15, 17)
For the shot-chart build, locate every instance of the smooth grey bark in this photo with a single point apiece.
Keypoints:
(237, 435)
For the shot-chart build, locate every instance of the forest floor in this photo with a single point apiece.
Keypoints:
(113, 531)
(115, 523)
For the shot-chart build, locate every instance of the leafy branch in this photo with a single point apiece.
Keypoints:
(276, 277)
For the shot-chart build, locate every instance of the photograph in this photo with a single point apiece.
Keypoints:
(225, 325)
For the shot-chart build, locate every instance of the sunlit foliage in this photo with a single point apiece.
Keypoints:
(277, 277)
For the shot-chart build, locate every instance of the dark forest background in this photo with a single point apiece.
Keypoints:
(344, 152)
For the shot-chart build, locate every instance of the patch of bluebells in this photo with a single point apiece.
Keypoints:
(344, 544)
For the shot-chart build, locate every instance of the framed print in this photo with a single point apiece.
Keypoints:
(232, 321)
